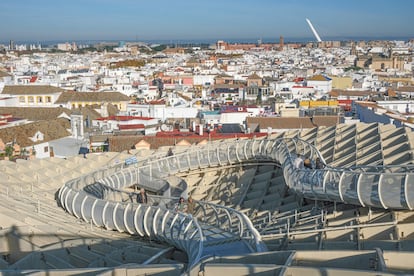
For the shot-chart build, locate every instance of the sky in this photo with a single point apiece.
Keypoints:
(185, 20)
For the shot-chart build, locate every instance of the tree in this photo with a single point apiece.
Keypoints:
(9, 151)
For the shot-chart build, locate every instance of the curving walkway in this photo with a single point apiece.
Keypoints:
(99, 197)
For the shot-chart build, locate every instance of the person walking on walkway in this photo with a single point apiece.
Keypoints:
(180, 206)
(190, 205)
(142, 196)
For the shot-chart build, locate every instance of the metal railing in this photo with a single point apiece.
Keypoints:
(98, 196)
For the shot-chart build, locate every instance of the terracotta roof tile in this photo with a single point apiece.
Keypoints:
(405, 89)
(31, 89)
(4, 74)
(293, 122)
(254, 76)
(52, 130)
(47, 113)
(91, 96)
(131, 126)
(35, 113)
(121, 143)
(319, 78)
(326, 120)
(281, 122)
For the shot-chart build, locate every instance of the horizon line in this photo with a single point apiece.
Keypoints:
(298, 39)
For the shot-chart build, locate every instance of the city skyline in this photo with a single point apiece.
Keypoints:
(47, 20)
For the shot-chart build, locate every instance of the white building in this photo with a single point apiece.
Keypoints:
(401, 106)
(114, 123)
(203, 79)
(161, 112)
(237, 117)
(32, 95)
(299, 92)
(321, 84)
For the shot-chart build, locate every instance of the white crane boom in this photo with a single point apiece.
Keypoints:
(314, 31)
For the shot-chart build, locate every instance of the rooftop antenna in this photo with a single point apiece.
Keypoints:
(318, 38)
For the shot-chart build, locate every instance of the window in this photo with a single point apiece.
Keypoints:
(46, 149)
(48, 99)
(30, 99)
(252, 90)
(22, 99)
(39, 99)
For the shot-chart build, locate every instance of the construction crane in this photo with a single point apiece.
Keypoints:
(318, 38)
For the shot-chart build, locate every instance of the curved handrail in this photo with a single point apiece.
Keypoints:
(116, 210)
(105, 205)
(238, 223)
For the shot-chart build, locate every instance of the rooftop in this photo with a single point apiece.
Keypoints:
(31, 89)
(91, 97)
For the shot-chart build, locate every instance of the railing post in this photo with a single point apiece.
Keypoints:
(288, 228)
(228, 154)
(178, 162)
(237, 154)
(188, 160)
(322, 216)
(168, 165)
(407, 201)
(252, 147)
(138, 175)
(208, 154)
(198, 159)
(359, 190)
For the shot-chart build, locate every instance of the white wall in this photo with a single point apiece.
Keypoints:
(399, 106)
(234, 117)
(299, 92)
(322, 86)
(9, 102)
(161, 112)
(203, 79)
(40, 150)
